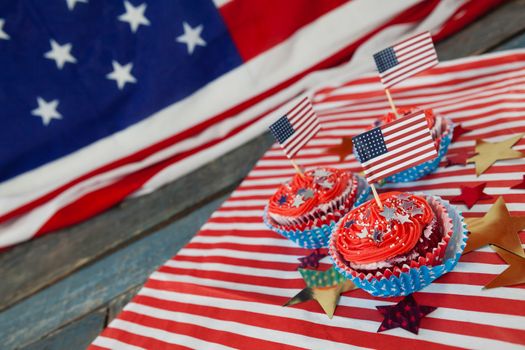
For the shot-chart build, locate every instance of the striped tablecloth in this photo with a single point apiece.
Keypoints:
(226, 287)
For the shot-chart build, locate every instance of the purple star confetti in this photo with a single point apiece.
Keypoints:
(311, 260)
(406, 314)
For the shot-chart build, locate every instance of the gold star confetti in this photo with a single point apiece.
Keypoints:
(514, 274)
(490, 152)
(496, 227)
(343, 150)
(325, 287)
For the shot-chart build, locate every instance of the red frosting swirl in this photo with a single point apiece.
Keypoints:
(367, 234)
(314, 189)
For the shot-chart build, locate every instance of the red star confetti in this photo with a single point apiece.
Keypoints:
(343, 150)
(521, 185)
(458, 131)
(470, 195)
(406, 314)
(311, 260)
(457, 159)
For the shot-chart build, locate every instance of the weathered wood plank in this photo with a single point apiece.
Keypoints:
(80, 333)
(516, 42)
(96, 285)
(486, 33)
(77, 335)
(39, 263)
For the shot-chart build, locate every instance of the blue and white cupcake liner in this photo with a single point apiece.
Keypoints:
(415, 278)
(421, 170)
(317, 236)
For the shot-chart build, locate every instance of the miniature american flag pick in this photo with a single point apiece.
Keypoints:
(405, 59)
(296, 128)
(396, 146)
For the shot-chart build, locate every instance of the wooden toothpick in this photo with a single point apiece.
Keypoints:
(376, 196)
(391, 101)
(297, 168)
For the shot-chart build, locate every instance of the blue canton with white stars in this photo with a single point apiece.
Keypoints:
(282, 129)
(369, 145)
(385, 59)
(74, 72)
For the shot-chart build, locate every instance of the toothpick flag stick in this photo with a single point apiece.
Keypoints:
(403, 60)
(391, 101)
(376, 196)
(297, 168)
(294, 129)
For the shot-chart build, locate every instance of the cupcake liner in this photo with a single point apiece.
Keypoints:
(430, 166)
(407, 279)
(316, 235)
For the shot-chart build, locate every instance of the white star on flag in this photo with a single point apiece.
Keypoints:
(134, 16)
(46, 110)
(3, 35)
(60, 54)
(121, 74)
(71, 3)
(191, 37)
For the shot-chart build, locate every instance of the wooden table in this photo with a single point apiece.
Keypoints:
(59, 291)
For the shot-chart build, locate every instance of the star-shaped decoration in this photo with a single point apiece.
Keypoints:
(311, 260)
(402, 218)
(377, 236)
(325, 287)
(514, 274)
(134, 16)
(415, 211)
(490, 152)
(297, 201)
(321, 173)
(406, 314)
(470, 195)
(60, 54)
(342, 150)
(349, 223)
(363, 233)
(388, 213)
(122, 74)
(497, 227)
(326, 184)
(71, 3)
(282, 199)
(521, 185)
(403, 196)
(46, 110)
(191, 37)
(306, 193)
(457, 159)
(407, 205)
(3, 34)
(458, 131)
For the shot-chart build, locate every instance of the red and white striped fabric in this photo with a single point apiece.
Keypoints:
(226, 287)
(224, 113)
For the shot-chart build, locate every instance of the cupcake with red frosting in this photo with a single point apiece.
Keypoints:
(384, 250)
(305, 208)
(441, 130)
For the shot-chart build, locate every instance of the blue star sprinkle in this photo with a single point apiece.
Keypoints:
(349, 223)
(282, 200)
(377, 236)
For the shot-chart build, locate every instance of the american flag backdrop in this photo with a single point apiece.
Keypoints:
(106, 99)
(394, 147)
(407, 58)
(226, 288)
(294, 129)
